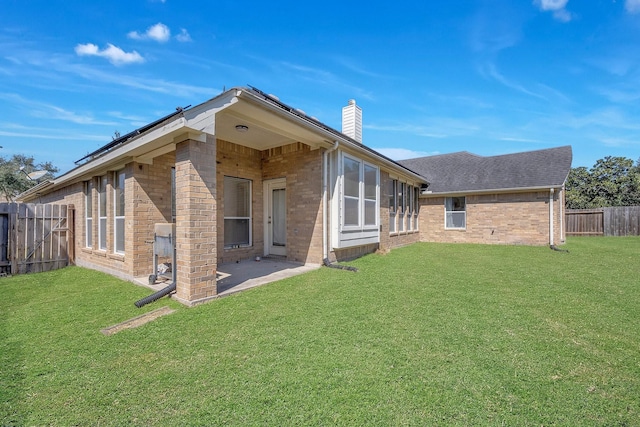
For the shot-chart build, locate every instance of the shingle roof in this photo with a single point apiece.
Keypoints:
(467, 172)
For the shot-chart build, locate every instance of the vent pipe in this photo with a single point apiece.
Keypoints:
(352, 121)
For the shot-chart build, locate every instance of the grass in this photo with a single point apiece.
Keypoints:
(430, 334)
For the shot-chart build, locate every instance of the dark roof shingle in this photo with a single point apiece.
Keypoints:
(467, 172)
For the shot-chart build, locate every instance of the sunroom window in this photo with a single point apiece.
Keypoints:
(357, 209)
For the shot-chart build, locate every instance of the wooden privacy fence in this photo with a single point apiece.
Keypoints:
(35, 237)
(615, 221)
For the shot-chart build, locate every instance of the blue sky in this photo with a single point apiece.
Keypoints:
(486, 76)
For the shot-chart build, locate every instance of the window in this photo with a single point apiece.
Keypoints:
(370, 195)
(416, 208)
(360, 199)
(356, 211)
(237, 212)
(102, 212)
(455, 212)
(118, 211)
(409, 207)
(393, 204)
(88, 213)
(351, 192)
(402, 196)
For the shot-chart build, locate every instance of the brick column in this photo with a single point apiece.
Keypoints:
(196, 220)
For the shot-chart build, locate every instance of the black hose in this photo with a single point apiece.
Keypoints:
(156, 296)
(328, 263)
(555, 248)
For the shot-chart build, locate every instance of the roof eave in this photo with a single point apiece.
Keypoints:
(492, 191)
(32, 193)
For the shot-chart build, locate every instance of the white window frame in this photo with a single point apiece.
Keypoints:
(416, 208)
(393, 205)
(345, 233)
(102, 219)
(402, 206)
(362, 200)
(248, 218)
(88, 214)
(451, 212)
(118, 217)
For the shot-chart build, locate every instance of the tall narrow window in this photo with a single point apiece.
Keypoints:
(455, 212)
(118, 211)
(237, 212)
(370, 195)
(88, 213)
(416, 208)
(393, 204)
(402, 204)
(351, 192)
(410, 207)
(102, 212)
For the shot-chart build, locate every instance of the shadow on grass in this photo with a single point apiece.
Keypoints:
(11, 378)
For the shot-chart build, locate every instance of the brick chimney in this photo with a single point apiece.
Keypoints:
(352, 121)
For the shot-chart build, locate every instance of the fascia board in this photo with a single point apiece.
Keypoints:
(491, 191)
(166, 133)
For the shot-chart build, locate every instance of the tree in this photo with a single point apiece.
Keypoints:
(612, 181)
(14, 174)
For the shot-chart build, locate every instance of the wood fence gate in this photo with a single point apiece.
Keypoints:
(35, 237)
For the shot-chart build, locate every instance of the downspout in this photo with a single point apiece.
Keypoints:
(551, 243)
(325, 185)
(561, 214)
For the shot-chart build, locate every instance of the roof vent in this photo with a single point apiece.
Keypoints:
(352, 121)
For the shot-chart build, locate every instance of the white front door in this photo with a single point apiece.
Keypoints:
(275, 194)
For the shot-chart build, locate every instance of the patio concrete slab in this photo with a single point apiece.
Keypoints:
(248, 274)
(243, 275)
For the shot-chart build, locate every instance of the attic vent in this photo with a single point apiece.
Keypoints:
(352, 121)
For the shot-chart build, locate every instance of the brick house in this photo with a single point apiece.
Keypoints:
(244, 175)
(509, 199)
(241, 175)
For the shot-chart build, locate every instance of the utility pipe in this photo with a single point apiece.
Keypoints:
(551, 243)
(325, 184)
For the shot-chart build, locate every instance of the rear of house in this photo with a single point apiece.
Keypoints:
(509, 199)
(244, 175)
(241, 175)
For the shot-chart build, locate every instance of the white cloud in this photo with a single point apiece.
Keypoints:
(184, 36)
(158, 32)
(112, 53)
(557, 7)
(489, 70)
(632, 6)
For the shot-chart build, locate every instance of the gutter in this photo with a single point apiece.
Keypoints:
(325, 208)
(121, 152)
(33, 192)
(492, 190)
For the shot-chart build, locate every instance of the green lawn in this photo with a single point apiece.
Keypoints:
(428, 334)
